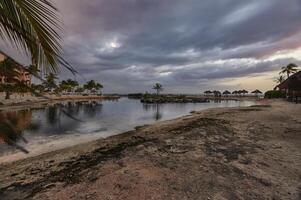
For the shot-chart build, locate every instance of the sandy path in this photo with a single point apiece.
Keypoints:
(233, 153)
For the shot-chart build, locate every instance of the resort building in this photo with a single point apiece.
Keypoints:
(292, 86)
(23, 75)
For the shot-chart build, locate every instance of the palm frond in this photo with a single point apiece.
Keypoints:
(33, 26)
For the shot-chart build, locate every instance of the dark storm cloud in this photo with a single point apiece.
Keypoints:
(133, 43)
(157, 39)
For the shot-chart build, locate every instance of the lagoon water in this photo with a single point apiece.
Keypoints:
(51, 128)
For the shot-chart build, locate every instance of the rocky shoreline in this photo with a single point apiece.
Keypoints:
(228, 153)
(173, 99)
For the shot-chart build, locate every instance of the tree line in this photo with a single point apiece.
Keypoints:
(11, 71)
(50, 85)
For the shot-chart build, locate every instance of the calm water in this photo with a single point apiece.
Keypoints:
(43, 130)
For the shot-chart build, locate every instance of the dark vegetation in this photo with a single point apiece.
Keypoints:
(154, 98)
(274, 94)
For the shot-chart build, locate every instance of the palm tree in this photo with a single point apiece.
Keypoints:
(72, 84)
(68, 85)
(158, 87)
(8, 89)
(10, 73)
(33, 69)
(63, 86)
(33, 26)
(280, 79)
(92, 85)
(289, 69)
(50, 82)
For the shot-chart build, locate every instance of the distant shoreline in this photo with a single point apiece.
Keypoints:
(42, 101)
(194, 99)
(38, 102)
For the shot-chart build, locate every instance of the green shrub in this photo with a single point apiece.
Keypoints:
(273, 94)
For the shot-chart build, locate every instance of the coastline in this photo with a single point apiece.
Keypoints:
(241, 153)
(42, 102)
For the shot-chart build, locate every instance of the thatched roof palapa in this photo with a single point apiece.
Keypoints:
(256, 92)
(226, 92)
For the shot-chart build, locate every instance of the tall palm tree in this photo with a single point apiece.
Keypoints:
(64, 86)
(33, 26)
(158, 87)
(72, 84)
(280, 79)
(68, 85)
(92, 85)
(289, 69)
(10, 73)
(50, 83)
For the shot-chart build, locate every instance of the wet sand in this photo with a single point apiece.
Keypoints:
(227, 153)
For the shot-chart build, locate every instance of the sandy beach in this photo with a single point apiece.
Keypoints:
(225, 153)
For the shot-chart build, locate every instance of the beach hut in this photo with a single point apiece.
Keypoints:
(207, 93)
(217, 93)
(292, 87)
(256, 92)
(226, 93)
(235, 92)
(244, 92)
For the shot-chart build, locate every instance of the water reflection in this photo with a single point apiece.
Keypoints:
(52, 115)
(156, 108)
(11, 126)
(59, 123)
(14, 123)
(92, 108)
(217, 101)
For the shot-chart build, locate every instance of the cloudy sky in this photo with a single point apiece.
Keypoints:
(187, 45)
